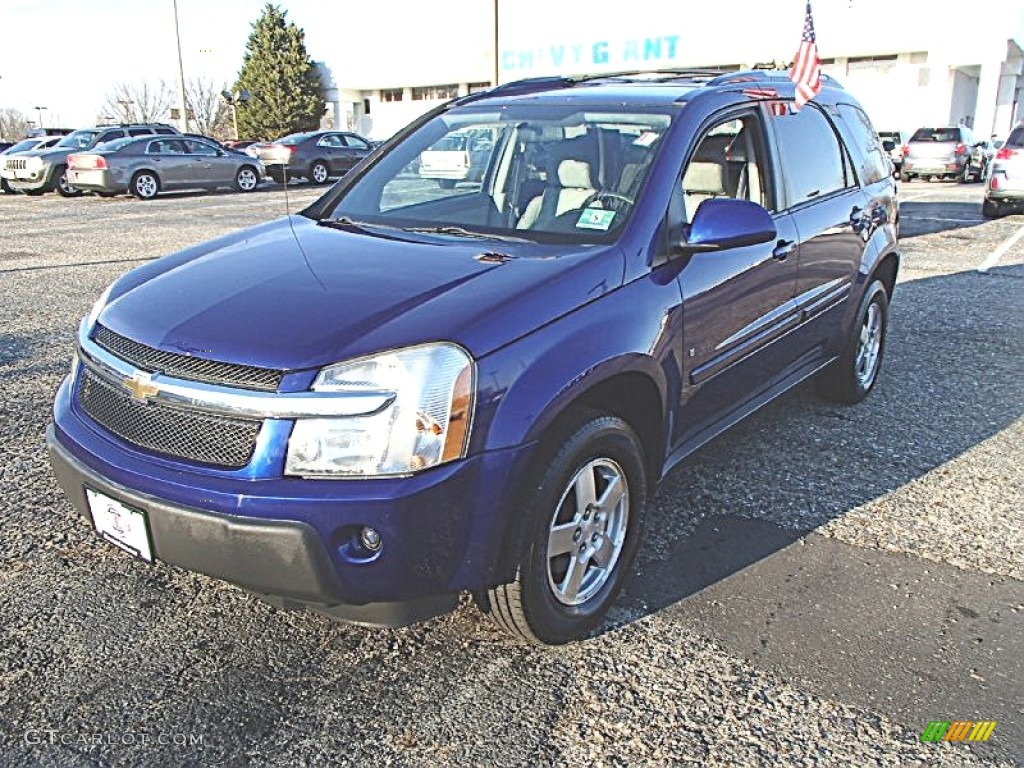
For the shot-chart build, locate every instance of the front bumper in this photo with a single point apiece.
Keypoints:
(283, 560)
(443, 530)
(29, 180)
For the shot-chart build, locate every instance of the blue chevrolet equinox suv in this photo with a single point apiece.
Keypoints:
(407, 391)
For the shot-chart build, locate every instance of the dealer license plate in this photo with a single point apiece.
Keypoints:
(121, 525)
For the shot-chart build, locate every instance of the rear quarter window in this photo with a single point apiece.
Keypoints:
(868, 154)
(1016, 137)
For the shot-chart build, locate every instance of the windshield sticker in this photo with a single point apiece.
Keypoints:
(645, 139)
(595, 218)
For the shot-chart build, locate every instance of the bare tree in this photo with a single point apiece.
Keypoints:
(207, 112)
(139, 103)
(13, 124)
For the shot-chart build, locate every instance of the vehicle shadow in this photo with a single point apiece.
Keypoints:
(949, 382)
(927, 218)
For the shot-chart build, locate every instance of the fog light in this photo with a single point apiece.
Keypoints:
(370, 539)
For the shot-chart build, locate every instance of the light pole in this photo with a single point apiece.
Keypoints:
(183, 105)
(39, 111)
(233, 100)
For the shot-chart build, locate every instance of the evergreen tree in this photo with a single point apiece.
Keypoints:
(286, 94)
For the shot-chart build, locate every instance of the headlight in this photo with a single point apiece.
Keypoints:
(101, 302)
(425, 424)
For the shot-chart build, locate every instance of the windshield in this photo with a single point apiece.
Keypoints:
(78, 140)
(24, 144)
(936, 134)
(566, 174)
(114, 144)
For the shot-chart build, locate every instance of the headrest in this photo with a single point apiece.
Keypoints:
(574, 173)
(704, 179)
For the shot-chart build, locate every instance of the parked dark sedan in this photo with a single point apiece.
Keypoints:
(315, 156)
(145, 166)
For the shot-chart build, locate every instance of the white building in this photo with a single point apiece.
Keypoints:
(906, 60)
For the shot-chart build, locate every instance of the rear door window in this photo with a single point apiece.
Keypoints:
(810, 153)
(1016, 137)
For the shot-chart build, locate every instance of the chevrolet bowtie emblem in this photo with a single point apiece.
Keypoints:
(141, 386)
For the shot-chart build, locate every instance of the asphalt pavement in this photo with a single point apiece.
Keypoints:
(815, 586)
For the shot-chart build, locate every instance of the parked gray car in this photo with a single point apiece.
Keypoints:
(315, 156)
(1005, 188)
(45, 170)
(25, 145)
(146, 166)
(943, 152)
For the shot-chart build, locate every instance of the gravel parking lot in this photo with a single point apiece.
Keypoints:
(816, 585)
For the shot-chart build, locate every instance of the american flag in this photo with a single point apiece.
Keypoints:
(807, 66)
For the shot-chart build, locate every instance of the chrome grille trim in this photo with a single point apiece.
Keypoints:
(185, 366)
(229, 401)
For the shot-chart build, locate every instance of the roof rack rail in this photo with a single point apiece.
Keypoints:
(749, 75)
(518, 88)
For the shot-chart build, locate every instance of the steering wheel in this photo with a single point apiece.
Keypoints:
(607, 194)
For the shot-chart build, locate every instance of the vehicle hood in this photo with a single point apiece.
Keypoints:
(50, 153)
(266, 297)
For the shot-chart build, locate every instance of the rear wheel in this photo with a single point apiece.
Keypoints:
(850, 378)
(584, 511)
(991, 209)
(145, 185)
(64, 189)
(318, 172)
(246, 179)
(5, 187)
(446, 183)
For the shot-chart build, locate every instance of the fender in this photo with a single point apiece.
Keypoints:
(524, 387)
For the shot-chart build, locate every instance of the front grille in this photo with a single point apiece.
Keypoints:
(185, 366)
(204, 438)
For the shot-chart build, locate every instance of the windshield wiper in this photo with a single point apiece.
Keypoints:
(461, 232)
(346, 223)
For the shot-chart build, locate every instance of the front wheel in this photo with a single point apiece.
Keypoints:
(145, 185)
(246, 179)
(584, 512)
(850, 378)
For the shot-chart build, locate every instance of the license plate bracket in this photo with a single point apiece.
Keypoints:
(121, 524)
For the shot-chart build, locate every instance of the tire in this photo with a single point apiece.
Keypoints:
(967, 176)
(990, 209)
(319, 173)
(446, 183)
(107, 194)
(145, 185)
(278, 176)
(246, 180)
(35, 192)
(543, 604)
(5, 187)
(850, 378)
(907, 177)
(60, 183)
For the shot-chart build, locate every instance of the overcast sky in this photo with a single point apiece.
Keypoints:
(66, 54)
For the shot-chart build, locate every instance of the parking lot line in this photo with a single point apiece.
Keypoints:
(998, 253)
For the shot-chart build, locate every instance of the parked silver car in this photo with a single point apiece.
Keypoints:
(944, 152)
(1005, 188)
(45, 170)
(147, 166)
(894, 142)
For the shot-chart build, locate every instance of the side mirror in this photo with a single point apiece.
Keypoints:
(722, 222)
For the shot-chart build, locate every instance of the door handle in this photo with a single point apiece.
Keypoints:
(782, 249)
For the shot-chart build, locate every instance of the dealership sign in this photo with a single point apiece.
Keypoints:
(588, 56)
